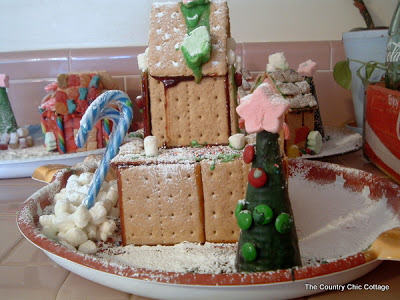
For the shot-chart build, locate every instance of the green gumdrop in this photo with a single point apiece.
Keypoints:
(249, 251)
(196, 49)
(283, 223)
(245, 219)
(239, 208)
(263, 214)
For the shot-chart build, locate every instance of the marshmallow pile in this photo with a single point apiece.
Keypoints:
(15, 140)
(75, 226)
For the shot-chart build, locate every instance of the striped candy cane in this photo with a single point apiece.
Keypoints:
(98, 110)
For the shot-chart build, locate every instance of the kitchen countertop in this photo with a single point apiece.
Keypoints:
(27, 273)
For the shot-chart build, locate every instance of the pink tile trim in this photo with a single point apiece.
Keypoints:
(116, 61)
(34, 64)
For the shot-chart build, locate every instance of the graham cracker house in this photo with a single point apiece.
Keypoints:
(177, 109)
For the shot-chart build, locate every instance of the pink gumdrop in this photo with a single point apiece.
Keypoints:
(4, 80)
(307, 68)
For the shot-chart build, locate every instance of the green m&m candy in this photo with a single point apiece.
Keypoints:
(283, 223)
(245, 219)
(262, 214)
(239, 208)
(249, 251)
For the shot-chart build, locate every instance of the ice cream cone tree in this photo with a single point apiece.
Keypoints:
(268, 238)
(7, 119)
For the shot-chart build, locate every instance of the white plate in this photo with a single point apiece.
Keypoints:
(25, 167)
(338, 211)
(34, 157)
(341, 141)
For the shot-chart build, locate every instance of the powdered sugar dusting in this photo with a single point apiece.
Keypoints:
(185, 257)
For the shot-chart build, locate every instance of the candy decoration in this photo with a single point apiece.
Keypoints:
(248, 154)
(95, 113)
(7, 120)
(314, 141)
(249, 252)
(150, 145)
(283, 223)
(263, 214)
(257, 177)
(239, 207)
(245, 219)
(94, 82)
(106, 130)
(60, 135)
(71, 106)
(83, 93)
(237, 141)
(262, 247)
(73, 80)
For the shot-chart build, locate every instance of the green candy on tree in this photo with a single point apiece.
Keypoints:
(249, 252)
(245, 219)
(263, 214)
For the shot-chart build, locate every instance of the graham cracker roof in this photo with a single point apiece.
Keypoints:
(167, 32)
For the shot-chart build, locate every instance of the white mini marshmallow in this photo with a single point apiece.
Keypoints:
(98, 213)
(4, 138)
(277, 61)
(88, 247)
(238, 64)
(107, 229)
(81, 217)
(231, 57)
(75, 236)
(14, 138)
(150, 145)
(91, 231)
(47, 220)
(85, 178)
(62, 207)
(23, 132)
(50, 231)
(237, 141)
(143, 62)
(112, 195)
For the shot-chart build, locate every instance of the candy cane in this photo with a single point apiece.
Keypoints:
(60, 135)
(98, 110)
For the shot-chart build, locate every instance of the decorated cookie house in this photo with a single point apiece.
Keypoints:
(303, 118)
(184, 102)
(190, 194)
(62, 109)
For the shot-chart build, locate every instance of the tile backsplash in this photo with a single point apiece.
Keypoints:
(31, 71)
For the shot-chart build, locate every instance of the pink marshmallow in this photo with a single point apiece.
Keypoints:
(307, 68)
(264, 109)
(4, 80)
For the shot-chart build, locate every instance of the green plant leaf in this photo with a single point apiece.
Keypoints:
(342, 74)
(369, 69)
(364, 80)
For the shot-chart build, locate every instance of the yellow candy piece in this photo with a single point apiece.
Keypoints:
(293, 152)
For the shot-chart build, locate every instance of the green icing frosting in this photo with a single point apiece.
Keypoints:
(196, 48)
(196, 13)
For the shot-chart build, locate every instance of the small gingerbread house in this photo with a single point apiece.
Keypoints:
(303, 105)
(179, 108)
(62, 109)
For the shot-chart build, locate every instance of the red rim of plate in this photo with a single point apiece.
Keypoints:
(319, 172)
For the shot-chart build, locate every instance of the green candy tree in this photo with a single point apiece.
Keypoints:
(268, 238)
(7, 120)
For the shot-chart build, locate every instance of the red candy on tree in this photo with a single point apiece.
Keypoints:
(248, 154)
(257, 177)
